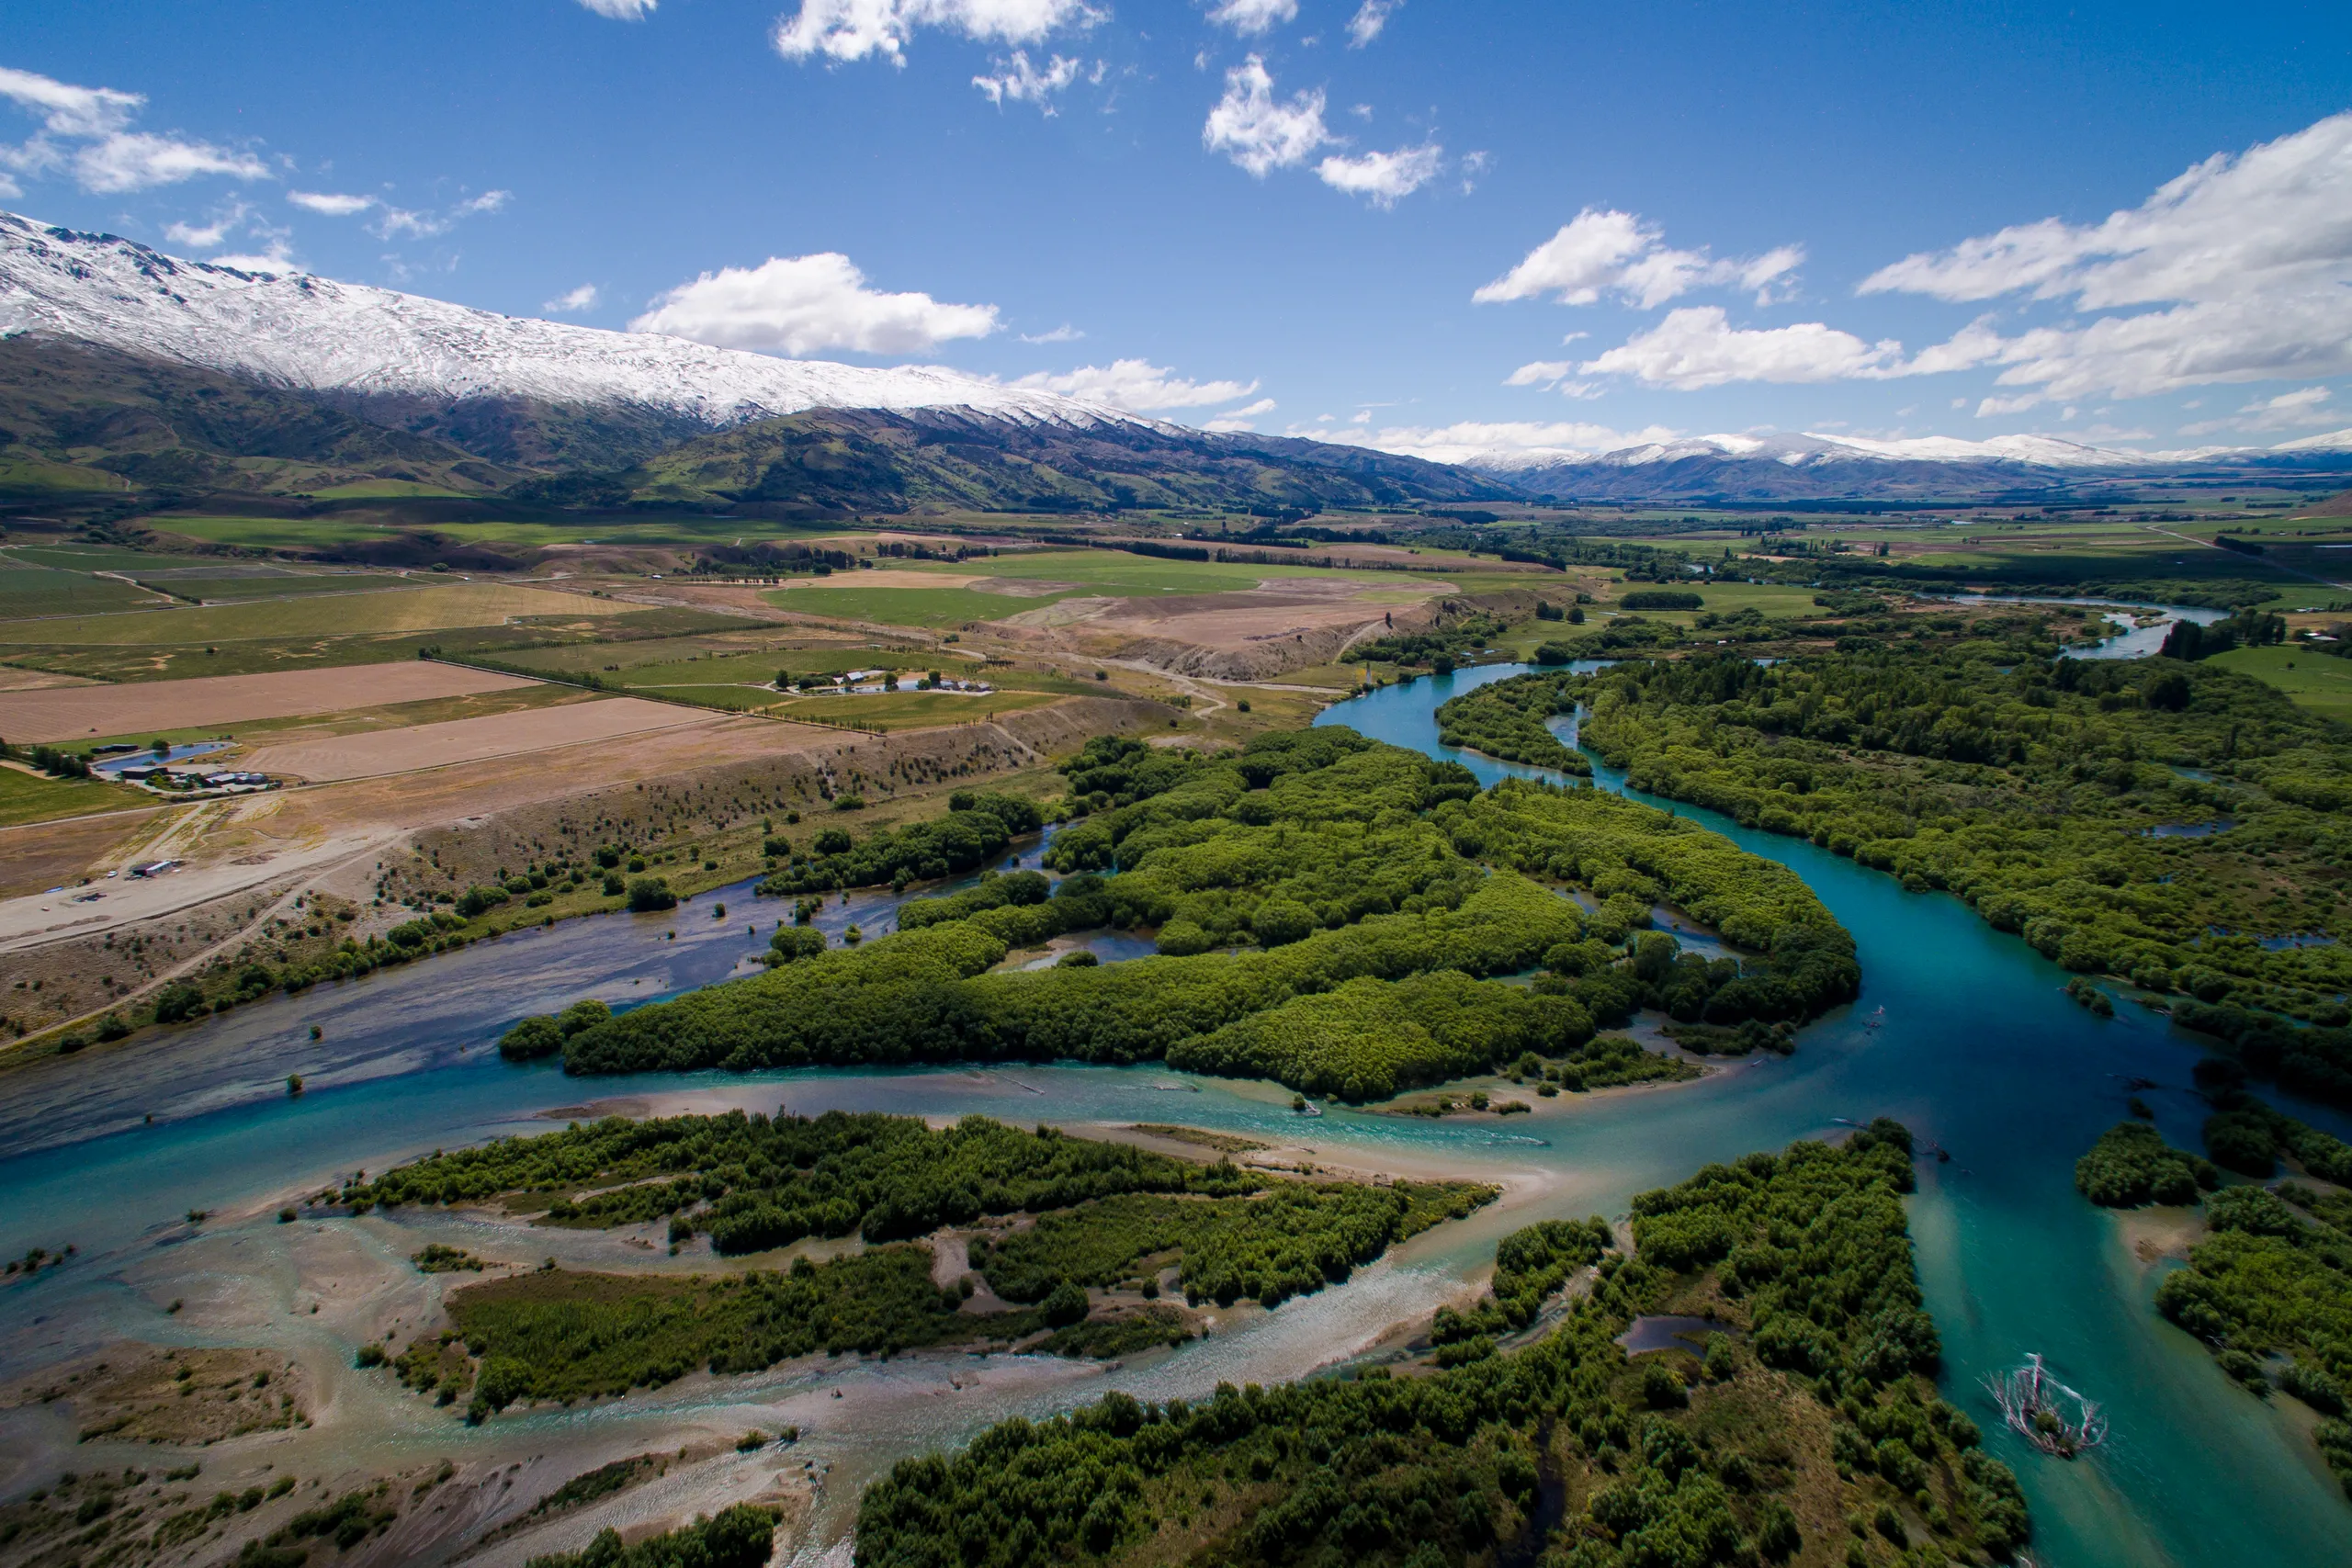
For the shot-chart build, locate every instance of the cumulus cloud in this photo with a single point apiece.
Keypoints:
(1697, 347)
(581, 298)
(1457, 442)
(398, 222)
(1023, 83)
(1539, 373)
(1383, 178)
(622, 10)
(1370, 18)
(330, 203)
(853, 29)
(66, 109)
(1261, 134)
(800, 305)
(2303, 409)
(85, 132)
(1138, 385)
(1252, 18)
(275, 259)
(1604, 250)
(1242, 419)
(2238, 270)
(211, 234)
(137, 160)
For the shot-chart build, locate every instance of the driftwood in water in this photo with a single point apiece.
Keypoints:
(2045, 1412)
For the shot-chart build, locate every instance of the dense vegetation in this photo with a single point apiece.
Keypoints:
(1330, 912)
(2174, 825)
(1565, 1448)
(1529, 1264)
(974, 832)
(752, 1183)
(1506, 719)
(1108, 1214)
(740, 1537)
(2272, 1277)
(1287, 1241)
(2132, 1165)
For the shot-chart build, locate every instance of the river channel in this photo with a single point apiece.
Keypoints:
(1962, 1031)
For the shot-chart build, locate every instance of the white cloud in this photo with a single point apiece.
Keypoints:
(852, 29)
(621, 10)
(2250, 254)
(274, 260)
(2302, 408)
(1242, 418)
(1063, 334)
(1370, 17)
(212, 233)
(1539, 373)
(1138, 385)
(804, 304)
(1383, 178)
(1250, 127)
(398, 221)
(1253, 18)
(136, 161)
(1697, 347)
(111, 158)
(330, 203)
(69, 110)
(581, 298)
(1023, 83)
(1454, 443)
(1606, 250)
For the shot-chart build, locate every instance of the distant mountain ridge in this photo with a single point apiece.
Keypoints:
(169, 374)
(1790, 467)
(292, 330)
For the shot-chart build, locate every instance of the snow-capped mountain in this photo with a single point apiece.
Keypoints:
(311, 334)
(1781, 465)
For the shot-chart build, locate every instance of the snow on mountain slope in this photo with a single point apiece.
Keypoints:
(1805, 450)
(1801, 465)
(290, 328)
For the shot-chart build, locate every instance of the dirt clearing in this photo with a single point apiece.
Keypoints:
(471, 739)
(70, 713)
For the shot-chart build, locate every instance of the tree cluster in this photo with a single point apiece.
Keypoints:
(1451, 1468)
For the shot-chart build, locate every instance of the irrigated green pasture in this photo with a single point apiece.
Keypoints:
(28, 797)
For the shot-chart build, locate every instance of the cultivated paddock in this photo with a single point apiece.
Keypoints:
(74, 713)
(471, 739)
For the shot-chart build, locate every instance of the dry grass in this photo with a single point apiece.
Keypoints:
(471, 739)
(80, 711)
(442, 607)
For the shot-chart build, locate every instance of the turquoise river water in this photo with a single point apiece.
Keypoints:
(1961, 1032)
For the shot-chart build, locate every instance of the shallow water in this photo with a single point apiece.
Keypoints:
(1977, 1049)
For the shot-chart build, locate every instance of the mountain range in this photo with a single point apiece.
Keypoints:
(125, 368)
(135, 378)
(1773, 466)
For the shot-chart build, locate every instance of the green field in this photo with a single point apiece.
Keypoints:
(270, 533)
(269, 586)
(933, 607)
(905, 710)
(1099, 573)
(416, 609)
(2320, 682)
(27, 591)
(28, 797)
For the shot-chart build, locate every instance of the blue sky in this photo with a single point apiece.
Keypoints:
(1437, 226)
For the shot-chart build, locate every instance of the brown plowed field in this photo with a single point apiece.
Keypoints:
(74, 713)
(471, 739)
